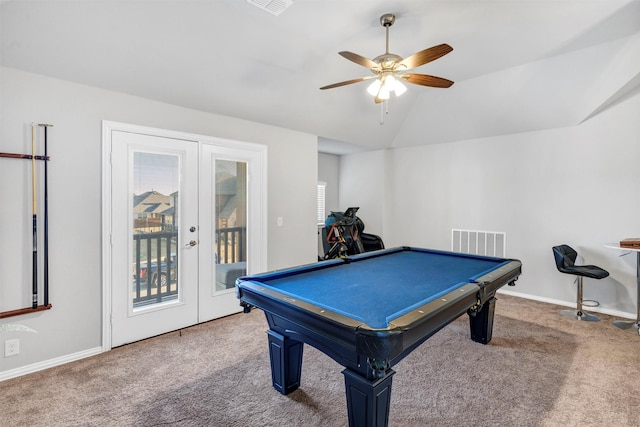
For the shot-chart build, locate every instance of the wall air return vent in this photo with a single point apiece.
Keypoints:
(489, 243)
(275, 7)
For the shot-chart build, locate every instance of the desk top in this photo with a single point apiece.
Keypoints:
(622, 248)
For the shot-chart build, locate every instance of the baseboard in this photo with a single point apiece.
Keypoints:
(572, 304)
(35, 367)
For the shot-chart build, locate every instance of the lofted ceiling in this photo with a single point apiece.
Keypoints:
(518, 65)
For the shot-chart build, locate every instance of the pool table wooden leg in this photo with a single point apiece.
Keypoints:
(286, 362)
(481, 322)
(368, 400)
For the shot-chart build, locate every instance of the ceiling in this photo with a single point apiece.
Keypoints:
(519, 65)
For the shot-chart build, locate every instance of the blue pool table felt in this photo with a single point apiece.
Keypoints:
(377, 290)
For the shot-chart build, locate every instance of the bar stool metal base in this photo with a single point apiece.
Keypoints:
(580, 315)
(631, 326)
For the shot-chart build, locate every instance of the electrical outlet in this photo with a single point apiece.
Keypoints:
(11, 347)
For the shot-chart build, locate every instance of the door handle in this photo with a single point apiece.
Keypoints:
(192, 243)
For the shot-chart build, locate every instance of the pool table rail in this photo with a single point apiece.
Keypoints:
(506, 274)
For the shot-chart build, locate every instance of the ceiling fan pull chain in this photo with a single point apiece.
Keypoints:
(384, 110)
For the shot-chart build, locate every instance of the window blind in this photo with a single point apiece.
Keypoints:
(320, 203)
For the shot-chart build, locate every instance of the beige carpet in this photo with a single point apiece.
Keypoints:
(541, 369)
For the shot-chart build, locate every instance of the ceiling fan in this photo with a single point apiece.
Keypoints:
(390, 69)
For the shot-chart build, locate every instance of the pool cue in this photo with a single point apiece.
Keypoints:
(46, 219)
(20, 156)
(35, 218)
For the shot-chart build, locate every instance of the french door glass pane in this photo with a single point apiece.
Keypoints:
(230, 222)
(156, 181)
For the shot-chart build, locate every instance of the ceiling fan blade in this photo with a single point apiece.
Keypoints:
(358, 59)
(425, 80)
(425, 56)
(347, 82)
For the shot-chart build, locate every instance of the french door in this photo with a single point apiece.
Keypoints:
(229, 193)
(185, 220)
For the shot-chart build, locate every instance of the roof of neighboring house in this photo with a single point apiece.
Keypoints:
(229, 207)
(153, 202)
(225, 185)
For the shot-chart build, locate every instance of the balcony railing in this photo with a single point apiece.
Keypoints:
(155, 282)
(230, 245)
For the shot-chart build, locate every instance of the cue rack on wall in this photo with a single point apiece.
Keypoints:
(35, 305)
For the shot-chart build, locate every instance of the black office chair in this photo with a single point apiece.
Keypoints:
(565, 261)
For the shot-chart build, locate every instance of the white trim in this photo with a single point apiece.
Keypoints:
(615, 313)
(107, 128)
(46, 364)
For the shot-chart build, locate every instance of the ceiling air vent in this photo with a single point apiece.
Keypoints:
(275, 7)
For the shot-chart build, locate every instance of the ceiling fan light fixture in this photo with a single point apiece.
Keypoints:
(383, 86)
(395, 85)
(398, 87)
(384, 92)
(374, 87)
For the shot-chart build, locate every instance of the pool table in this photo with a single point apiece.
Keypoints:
(368, 311)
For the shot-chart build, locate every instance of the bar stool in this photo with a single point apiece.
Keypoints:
(565, 257)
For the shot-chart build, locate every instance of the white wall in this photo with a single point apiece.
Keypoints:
(329, 172)
(73, 326)
(362, 183)
(576, 185)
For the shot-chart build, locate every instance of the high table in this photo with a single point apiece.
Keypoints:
(369, 311)
(633, 325)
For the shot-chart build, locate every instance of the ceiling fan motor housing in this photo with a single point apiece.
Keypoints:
(387, 61)
(387, 19)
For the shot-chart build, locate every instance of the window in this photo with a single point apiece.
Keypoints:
(321, 215)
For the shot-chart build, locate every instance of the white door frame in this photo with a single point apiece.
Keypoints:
(259, 237)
